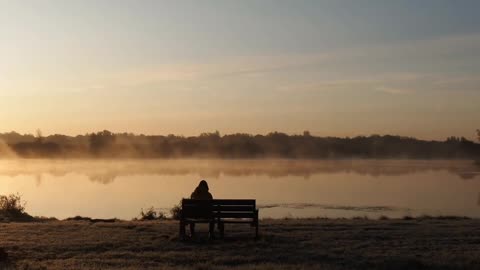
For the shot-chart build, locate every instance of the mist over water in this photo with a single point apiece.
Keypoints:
(282, 188)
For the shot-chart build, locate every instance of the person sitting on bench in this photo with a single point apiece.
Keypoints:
(201, 193)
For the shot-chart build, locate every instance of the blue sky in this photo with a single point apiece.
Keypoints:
(336, 68)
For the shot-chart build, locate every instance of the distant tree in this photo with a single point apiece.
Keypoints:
(101, 141)
(39, 136)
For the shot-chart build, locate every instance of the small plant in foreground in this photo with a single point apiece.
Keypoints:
(176, 211)
(151, 214)
(13, 208)
(12, 204)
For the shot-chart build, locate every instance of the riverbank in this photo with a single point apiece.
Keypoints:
(428, 243)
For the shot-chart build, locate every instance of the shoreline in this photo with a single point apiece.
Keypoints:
(41, 219)
(317, 243)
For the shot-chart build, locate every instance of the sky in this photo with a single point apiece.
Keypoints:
(335, 68)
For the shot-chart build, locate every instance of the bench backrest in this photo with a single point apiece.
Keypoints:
(218, 208)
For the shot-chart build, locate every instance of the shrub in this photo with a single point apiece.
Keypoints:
(12, 203)
(13, 209)
(151, 214)
(176, 211)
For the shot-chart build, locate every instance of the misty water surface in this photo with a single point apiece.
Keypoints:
(282, 188)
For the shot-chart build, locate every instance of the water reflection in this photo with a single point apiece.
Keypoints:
(106, 171)
(341, 188)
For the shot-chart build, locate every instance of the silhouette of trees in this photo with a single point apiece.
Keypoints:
(239, 145)
(14, 137)
(101, 142)
(39, 136)
(30, 146)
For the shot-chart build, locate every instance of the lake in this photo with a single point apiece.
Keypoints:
(282, 188)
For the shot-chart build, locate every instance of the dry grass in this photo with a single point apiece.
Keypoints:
(284, 244)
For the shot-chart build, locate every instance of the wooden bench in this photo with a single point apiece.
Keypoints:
(218, 211)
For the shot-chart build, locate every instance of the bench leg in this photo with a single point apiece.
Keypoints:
(211, 230)
(221, 228)
(192, 229)
(256, 224)
(182, 230)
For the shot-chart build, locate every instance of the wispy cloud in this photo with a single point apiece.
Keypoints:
(393, 90)
(389, 68)
(377, 65)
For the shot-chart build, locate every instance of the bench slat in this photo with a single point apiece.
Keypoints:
(237, 221)
(234, 215)
(233, 202)
(217, 202)
(221, 201)
(226, 208)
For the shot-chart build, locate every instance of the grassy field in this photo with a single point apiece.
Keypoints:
(284, 244)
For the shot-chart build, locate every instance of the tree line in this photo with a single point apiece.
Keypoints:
(106, 144)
